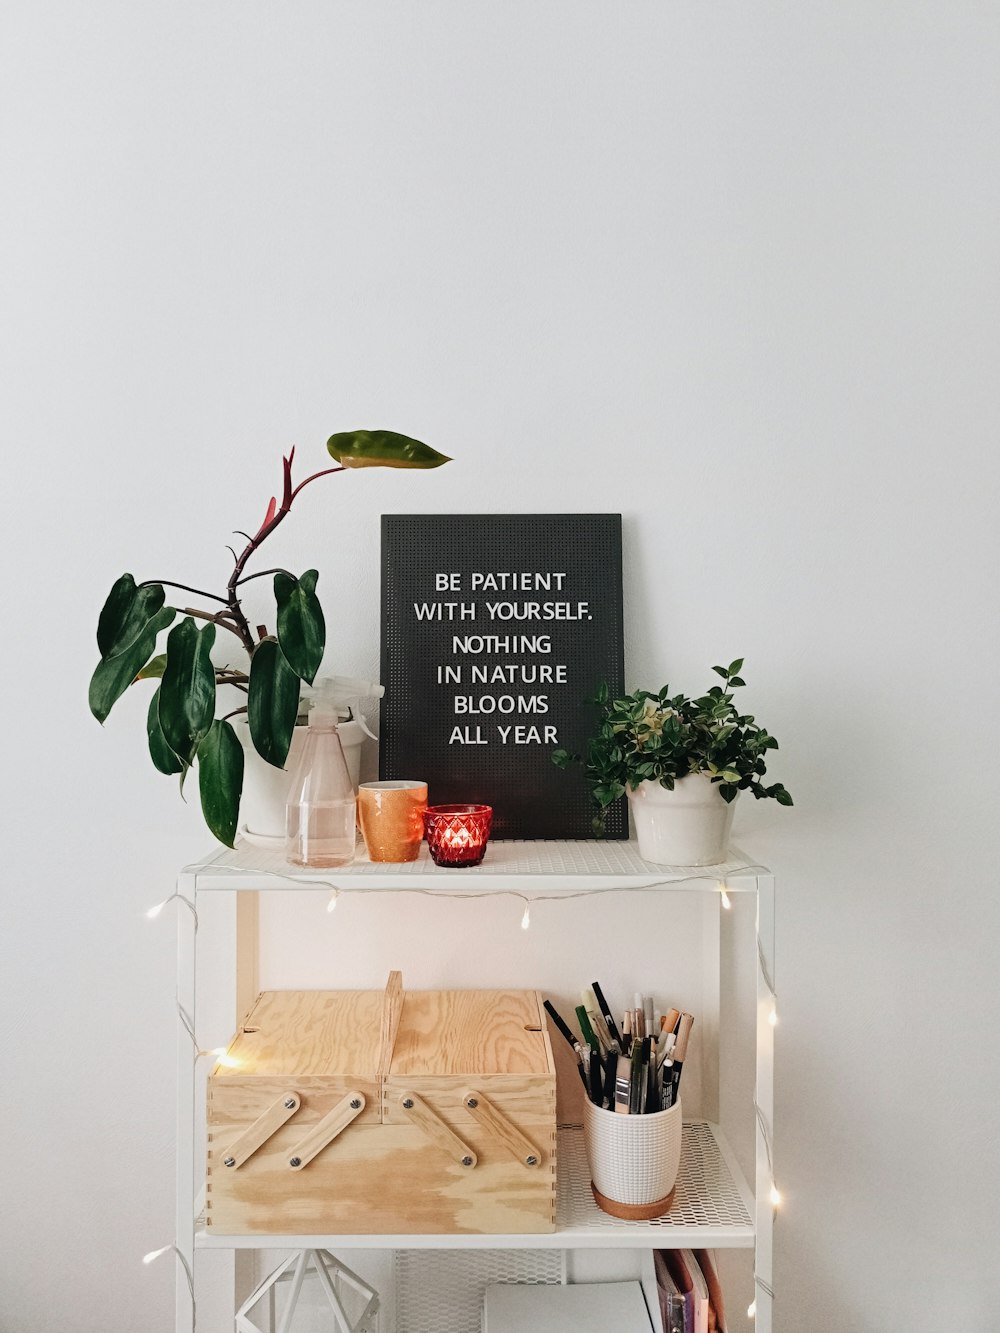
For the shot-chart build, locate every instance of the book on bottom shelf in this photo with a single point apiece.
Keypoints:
(582, 1307)
(690, 1293)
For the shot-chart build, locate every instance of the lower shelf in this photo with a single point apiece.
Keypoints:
(712, 1208)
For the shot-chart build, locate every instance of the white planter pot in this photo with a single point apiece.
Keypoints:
(688, 826)
(265, 788)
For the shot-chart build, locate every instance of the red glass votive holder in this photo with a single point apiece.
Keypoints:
(457, 834)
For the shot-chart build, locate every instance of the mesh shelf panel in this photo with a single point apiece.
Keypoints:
(706, 1194)
(589, 863)
(442, 1291)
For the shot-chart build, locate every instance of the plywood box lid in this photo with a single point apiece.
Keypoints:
(391, 1033)
(308, 1032)
(471, 1032)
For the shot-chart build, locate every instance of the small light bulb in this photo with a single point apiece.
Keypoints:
(332, 904)
(772, 1017)
(526, 919)
(224, 1058)
(752, 1310)
(725, 897)
(775, 1196)
(154, 912)
(154, 1254)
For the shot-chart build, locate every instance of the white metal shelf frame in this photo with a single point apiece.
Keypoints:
(531, 867)
(530, 870)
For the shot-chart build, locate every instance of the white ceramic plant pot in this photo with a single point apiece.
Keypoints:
(688, 826)
(265, 788)
(633, 1159)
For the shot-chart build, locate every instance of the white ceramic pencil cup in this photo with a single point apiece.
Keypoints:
(633, 1160)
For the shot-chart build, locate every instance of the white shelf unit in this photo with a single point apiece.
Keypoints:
(715, 1207)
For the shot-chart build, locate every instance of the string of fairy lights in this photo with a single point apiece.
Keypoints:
(337, 891)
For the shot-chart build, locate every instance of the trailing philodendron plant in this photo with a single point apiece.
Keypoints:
(646, 737)
(181, 722)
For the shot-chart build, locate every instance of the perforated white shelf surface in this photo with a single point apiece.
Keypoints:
(712, 1207)
(543, 866)
(443, 1293)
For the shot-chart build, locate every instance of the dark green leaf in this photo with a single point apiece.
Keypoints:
(727, 791)
(273, 702)
(735, 666)
(780, 794)
(736, 680)
(563, 758)
(604, 795)
(721, 671)
(220, 780)
(301, 627)
(160, 752)
(382, 448)
(186, 704)
(115, 674)
(126, 613)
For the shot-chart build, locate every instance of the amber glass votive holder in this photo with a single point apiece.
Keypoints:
(457, 834)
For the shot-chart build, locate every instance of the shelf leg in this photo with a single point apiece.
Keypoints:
(764, 1096)
(184, 1312)
(247, 971)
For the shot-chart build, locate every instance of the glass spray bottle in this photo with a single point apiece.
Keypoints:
(320, 812)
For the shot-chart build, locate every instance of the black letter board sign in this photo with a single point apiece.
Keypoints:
(496, 628)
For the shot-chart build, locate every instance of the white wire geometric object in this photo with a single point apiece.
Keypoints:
(354, 1310)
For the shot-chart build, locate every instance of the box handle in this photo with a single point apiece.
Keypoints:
(498, 1125)
(392, 1008)
(436, 1130)
(332, 1124)
(261, 1130)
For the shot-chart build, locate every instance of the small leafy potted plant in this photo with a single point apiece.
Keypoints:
(265, 675)
(682, 762)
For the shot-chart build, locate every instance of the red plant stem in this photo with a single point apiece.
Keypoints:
(287, 496)
(325, 473)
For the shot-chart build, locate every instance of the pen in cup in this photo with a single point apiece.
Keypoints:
(616, 1036)
(679, 1052)
(623, 1072)
(636, 1086)
(567, 1032)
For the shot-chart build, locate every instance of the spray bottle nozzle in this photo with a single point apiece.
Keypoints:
(335, 696)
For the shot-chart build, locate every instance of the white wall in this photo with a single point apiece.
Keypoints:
(731, 269)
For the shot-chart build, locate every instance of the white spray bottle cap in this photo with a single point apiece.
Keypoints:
(323, 709)
(332, 695)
